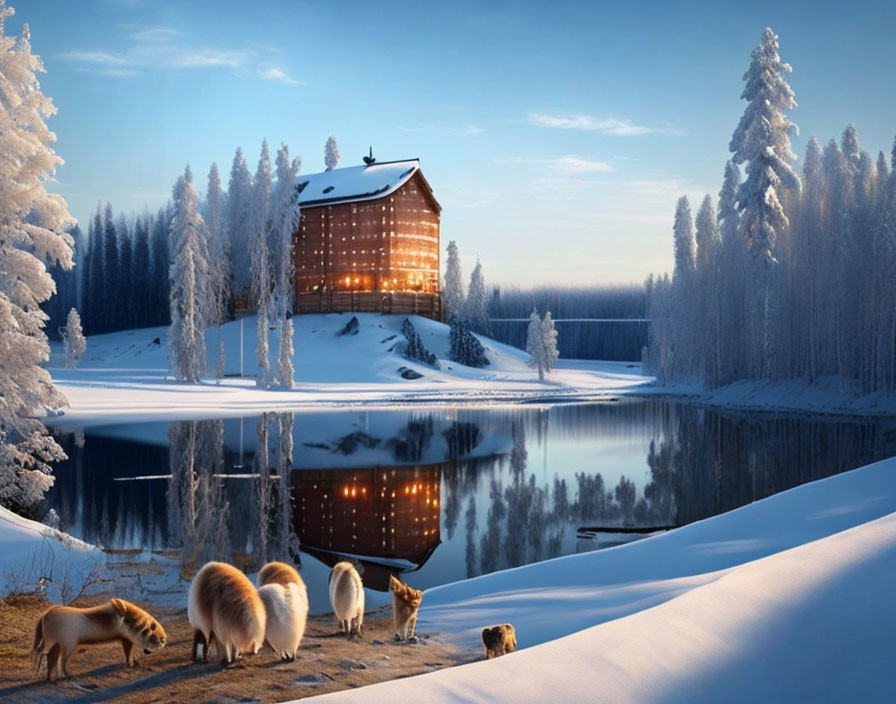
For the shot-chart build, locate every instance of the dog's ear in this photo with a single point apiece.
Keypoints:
(119, 606)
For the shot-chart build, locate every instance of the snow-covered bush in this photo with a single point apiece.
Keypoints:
(465, 347)
(416, 350)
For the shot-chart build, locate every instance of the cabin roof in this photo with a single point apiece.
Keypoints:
(357, 183)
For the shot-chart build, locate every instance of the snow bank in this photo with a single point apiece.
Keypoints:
(32, 553)
(124, 375)
(788, 598)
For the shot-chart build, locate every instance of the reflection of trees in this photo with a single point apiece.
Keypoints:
(197, 510)
(470, 552)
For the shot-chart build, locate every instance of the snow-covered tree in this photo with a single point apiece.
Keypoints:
(541, 343)
(32, 235)
(285, 371)
(189, 277)
(220, 274)
(331, 154)
(453, 290)
(75, 344)
(683, 231)
(476, 310)
(240, 222)
(261, 260)
(762, 141)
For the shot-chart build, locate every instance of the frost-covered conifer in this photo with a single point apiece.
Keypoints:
(240, 222)
(32, 233)
(453, 292)
(262, 279)
(75, 344)
(549, 334)
(189, 276)
(762, 141)
(285, 220)
(331, 153)
(477, 302)
(220, 274)
(683, 231)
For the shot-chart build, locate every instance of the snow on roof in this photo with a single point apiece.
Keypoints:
(355, 183)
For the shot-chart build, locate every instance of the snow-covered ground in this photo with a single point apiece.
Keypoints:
(788, 599)
(124, 375)
(34, 556)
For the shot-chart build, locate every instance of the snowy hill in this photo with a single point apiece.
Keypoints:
(787, 599)
(126, 373)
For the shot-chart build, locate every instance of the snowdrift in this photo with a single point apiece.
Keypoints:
(788, 599)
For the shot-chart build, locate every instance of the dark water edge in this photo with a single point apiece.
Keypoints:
(438, 494)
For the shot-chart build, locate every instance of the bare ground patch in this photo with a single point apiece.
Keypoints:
(327, 662)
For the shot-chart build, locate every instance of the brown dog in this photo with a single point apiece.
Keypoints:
(61, 629)
(405, 603)
(498, 640)
(223, 607)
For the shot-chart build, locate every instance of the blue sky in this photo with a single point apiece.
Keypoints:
(557, 136)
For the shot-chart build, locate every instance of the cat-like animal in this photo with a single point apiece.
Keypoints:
(224, 608)
(61, 629)
(498, 640)
(285, 599)
(347, 598)
(405, 604)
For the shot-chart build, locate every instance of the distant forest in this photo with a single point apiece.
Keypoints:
(581, 316)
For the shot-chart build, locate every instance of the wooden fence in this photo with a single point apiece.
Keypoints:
(397, 303)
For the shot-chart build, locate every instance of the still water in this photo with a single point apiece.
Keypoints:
(437, 494)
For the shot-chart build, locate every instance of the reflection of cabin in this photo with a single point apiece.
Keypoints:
(368, 241)
(388, 513)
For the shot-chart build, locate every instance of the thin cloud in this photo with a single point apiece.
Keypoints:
(156, 48)
(569, 164)
(610, 125)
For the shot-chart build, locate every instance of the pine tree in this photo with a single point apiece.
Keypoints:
(95, 273)
(535, 344)
(108, 303)
(261, 261)
(707, 285)
(189, 283)
(453, 293)
(75, 344)
(32, 224)
(549, 334)
(141, 303)
(762, 141)
(219, 261)
(124, 289)
(239, 223)
(477, 302)
(331, 153)
(161, 265)
(683, 231)
(285, 217)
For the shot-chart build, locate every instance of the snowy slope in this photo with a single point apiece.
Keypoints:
(30, 551)
(788, 599)
(125, 373)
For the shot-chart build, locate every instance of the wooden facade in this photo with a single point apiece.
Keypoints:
(368, 251)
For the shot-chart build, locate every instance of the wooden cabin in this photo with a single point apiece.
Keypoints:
(368, 241)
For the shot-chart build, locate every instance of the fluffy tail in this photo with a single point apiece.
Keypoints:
(37, 650)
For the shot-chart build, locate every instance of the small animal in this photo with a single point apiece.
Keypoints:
(223, 607)
(347, 597)
(285, 600)
(498, 640)
(405, 603)
(61, 629)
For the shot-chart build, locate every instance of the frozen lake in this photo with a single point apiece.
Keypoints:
(438, 494)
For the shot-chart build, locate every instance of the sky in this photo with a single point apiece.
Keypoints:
(556, 136)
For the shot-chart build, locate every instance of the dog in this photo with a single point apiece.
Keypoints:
(347, 598)
(285, 599)
(405, 603)
(223, 607)
(61, 629)
(498, 640)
